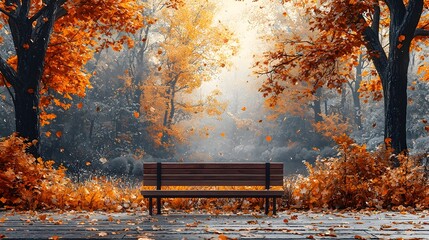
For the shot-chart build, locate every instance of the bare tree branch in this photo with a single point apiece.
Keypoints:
(9, 73)
(421, 32)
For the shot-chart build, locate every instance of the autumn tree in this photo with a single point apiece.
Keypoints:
(343, 27)
(64, 35)
(191, 49)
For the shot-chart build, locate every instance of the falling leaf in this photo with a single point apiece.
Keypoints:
(424, 121)
(268, 138)
(25, 46)
(136, 114)
(79, 105)
(103, 160)
(30, 90)
(399, 46)
(285, 220)
(222, 65)
(427, 128)
(260, 121)
(243, 109)
(159, 51)
(59, 134)
(54, 238)
(88, 163)
(222, 134)
(401, 38)
(48, 133)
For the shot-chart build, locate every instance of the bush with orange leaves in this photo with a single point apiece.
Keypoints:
(32, 184)
(358, 178)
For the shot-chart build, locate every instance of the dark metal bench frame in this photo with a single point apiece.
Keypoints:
(178, 176)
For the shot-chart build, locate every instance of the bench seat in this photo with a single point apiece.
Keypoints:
(212, 193)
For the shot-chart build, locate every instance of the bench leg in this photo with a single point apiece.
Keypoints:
(267, 205)
(150, 206)
(158, 206)
(274, 205)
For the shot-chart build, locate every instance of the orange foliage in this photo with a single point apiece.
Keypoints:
(332, 126)
(89, 26)
(27, 185)
(359, 179)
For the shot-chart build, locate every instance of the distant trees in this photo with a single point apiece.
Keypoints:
(189, 49)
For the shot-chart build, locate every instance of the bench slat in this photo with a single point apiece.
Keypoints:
(211, 193)
(213, 165)
(242, 177)
(213, 171)
(212, 183)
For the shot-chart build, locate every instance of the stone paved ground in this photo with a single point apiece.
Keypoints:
(287, 225)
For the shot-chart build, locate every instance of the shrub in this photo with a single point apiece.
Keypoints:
(358, 178)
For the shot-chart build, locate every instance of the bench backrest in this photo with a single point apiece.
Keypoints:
(213, 174)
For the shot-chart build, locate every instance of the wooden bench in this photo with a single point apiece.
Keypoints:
(212, 174)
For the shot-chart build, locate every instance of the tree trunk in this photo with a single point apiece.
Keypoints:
(343, 103)
(30, 37)
(317, 108)
(393, 69)
(395, 103)
(357, 114)
(27, 118)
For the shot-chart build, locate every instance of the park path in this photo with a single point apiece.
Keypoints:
(287, 225)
